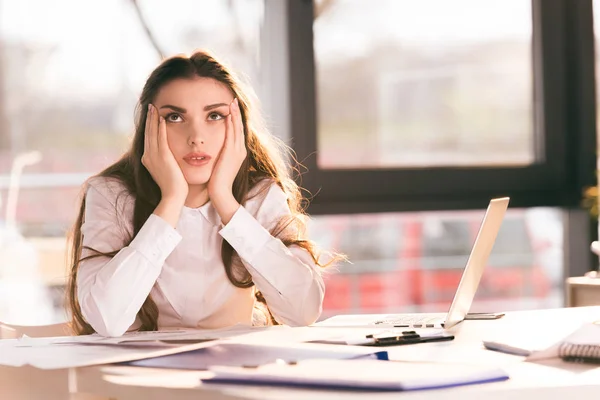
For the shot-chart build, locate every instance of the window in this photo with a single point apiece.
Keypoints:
(421, 84)
(473, 101)
(596, 14)
(406, 121)
(411, 262)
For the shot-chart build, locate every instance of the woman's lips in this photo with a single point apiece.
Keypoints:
(197, 159)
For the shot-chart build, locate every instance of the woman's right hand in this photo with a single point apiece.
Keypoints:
(160, 162)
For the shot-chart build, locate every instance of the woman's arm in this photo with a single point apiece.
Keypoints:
(111, 291)
(288, 278)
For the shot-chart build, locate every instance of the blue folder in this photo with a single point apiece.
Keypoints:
(361, 375)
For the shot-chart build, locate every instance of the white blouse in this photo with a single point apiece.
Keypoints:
(182, 268)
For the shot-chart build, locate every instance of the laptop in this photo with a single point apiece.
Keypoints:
(463, 298)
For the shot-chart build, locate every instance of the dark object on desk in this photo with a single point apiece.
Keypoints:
(484, 316)
(580, 353)
(406, 337)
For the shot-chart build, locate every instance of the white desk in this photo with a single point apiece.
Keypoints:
(553, 379)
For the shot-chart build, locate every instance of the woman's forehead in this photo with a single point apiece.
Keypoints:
(193, 92)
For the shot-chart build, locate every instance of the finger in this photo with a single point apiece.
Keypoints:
(235, 117)
(229, 123)
(229, 133)
(163, 144)
(154, 128)
(146, 138)
(151, 130)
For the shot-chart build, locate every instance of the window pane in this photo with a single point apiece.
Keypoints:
(406, 83)
(596, 8)
(405, 262)
(70, 76)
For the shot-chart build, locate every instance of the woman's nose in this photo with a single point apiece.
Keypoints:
(195, 136)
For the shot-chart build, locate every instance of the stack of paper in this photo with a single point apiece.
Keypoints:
(86, 350)
(48, 354)
(254, 355)
(165, 338)
(167, 349)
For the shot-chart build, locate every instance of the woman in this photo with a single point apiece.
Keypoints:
(197, 221)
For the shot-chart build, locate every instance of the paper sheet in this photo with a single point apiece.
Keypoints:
(241, 354)
(283, 334)
(166, 337)
(587, 334)
(57, 356)
(79, 351)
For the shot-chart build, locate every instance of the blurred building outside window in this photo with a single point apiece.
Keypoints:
(427, 83)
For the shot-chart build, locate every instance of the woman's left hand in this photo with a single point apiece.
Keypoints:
(227, 166)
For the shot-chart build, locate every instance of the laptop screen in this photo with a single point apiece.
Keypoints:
(484, 242)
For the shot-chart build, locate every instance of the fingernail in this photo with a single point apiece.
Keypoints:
(236, 102)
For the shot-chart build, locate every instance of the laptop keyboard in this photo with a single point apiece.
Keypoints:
(411, 320)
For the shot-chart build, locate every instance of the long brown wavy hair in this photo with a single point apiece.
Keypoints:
(268, 158)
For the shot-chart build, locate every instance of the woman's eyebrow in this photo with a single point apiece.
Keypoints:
(183, 110)
(175, 108)
(213, 106)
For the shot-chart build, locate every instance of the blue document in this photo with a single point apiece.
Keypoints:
(369, 375)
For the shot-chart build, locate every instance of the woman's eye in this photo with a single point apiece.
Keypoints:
(215, 116)
(173, 117)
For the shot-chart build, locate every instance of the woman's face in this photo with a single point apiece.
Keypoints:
(195, 112)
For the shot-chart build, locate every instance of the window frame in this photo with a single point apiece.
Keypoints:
(564, 127)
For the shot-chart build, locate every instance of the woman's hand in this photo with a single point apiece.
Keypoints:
(160, 162)
(233, 154)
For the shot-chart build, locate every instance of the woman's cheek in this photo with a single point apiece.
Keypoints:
(176, 138)
(217, 133)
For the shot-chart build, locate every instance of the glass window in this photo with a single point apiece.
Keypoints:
(596, 5)
(70, 76)
(426, 83)
(404, 262)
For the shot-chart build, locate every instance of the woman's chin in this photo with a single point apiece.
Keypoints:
(197, 179)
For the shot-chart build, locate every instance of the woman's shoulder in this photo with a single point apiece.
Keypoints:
(106, 185)
(266, 190)
(267, 198)
(109, 189)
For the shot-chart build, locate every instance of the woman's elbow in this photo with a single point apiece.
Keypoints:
(103, 325)
(308, 310)
(307, 316)
(110, 330)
